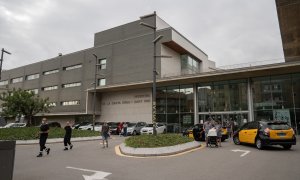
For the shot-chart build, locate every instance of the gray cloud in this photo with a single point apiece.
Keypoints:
(229, 31)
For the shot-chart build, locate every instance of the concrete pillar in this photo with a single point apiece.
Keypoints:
(196, 117)
(250, 100)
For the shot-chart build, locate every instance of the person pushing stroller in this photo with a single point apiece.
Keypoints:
(212, 137)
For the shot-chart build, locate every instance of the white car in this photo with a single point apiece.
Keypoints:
(14, 125)
(148, 129)
(98, 126)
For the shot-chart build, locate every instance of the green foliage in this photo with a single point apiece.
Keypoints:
(22, 102)
(29, 133)
(161, 140)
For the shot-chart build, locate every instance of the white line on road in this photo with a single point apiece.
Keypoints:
(245, 152)
(98, 175)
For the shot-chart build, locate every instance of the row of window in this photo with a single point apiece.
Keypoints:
(101, 82)
(65, 103)
(36, 76)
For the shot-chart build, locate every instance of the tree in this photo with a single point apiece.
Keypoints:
(23, 102)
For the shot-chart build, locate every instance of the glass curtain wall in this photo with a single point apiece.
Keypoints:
(295, 116)
(175, 107)
(224, 101)
(223, 96)
(275, 98)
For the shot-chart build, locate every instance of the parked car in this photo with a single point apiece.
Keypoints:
(54, 124)
(265, 133)
(148, 129)
(98, 126)
(14, 125)
(113, 127)
(135, 128)
(76, 126)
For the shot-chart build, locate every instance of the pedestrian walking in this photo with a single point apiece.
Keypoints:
(219, 132)
(206, 128)
(125, 125)
(105, 134)
(68, 135)
(43, 135)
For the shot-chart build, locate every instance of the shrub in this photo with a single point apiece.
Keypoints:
(161, 140)
(28, 133)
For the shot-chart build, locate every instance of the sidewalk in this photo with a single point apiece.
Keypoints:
(58, 140)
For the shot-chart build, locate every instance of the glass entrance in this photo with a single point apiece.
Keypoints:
(237, 119)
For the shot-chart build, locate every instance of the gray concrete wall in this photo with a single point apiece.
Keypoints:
(170, 66)
(129, 106)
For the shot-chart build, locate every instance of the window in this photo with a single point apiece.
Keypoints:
(71, 85)
(102, 64)
(35, 91)
(49, 88)
(16, 80)
(70, 103)
(51, 72)
(189, 65)
(33, 76)
(2, 83)
(72, 67)
(101, 82)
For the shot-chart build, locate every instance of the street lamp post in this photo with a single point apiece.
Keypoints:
(155, 40)
(1, 60)
(94, 95)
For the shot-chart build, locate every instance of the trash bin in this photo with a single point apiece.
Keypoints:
(7, 159)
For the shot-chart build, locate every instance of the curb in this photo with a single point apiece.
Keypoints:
(161, 151)
(58, 140)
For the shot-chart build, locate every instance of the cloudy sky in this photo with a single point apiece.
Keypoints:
(229, 31)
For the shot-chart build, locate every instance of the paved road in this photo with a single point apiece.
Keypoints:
(205, 163)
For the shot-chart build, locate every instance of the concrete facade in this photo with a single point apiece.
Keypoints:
(128, 50)
(289, 20)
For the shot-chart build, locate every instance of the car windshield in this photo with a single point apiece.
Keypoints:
(84, 123)
(113, 124)
(8, 125)
(98, 123)
(149, 125)
(278, 126)
(131, 124)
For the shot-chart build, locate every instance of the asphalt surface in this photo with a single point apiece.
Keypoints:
(203, 163)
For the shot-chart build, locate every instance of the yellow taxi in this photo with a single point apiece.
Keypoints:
(265, 133)
(225, 134)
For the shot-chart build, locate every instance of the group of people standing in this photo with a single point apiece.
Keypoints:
(212, 124)
(122, 128)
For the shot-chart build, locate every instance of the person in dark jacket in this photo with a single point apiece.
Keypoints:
(68, 135)
(43, 135)
(105, 134)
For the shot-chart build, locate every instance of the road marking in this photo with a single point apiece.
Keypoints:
(118, 152)
(245, 152)
(98, 175)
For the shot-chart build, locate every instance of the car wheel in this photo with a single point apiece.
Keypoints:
(165, 131)
(287, 146)
(134, 133)
(258, 143)
(236, 140)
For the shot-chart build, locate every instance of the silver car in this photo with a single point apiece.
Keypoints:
(135, 128)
